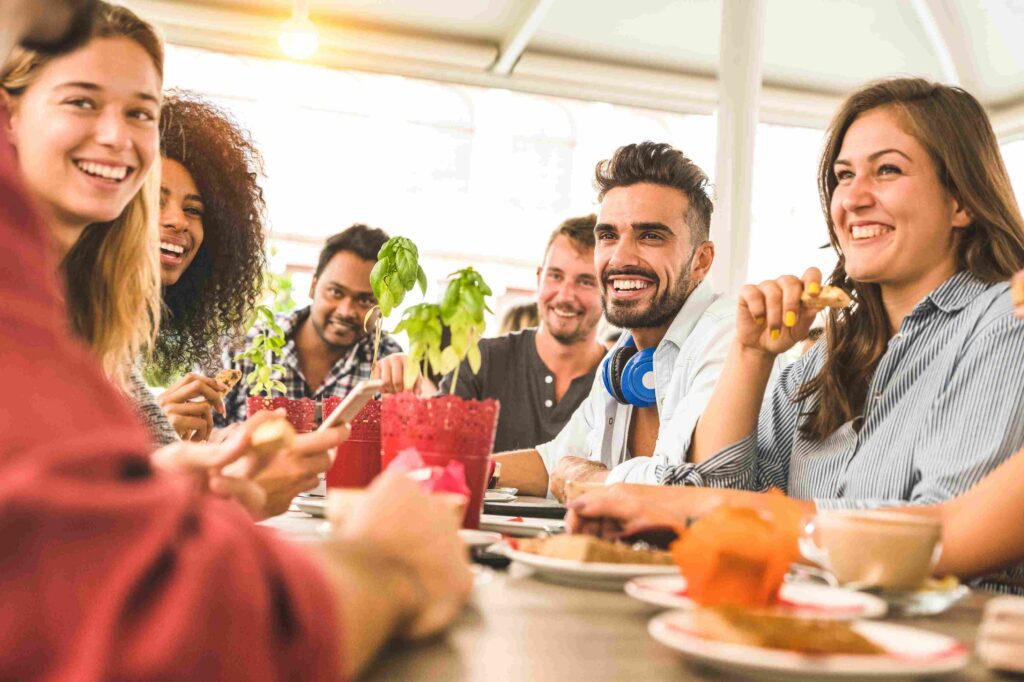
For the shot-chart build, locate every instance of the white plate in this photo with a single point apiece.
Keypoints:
(796, 599)
(478, 538)
(496, 496)
(525, 527)
(312, 506)
(910, 652)
(507, 491)
(584, 573)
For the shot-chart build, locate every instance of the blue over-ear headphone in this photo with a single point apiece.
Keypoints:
(628, 374)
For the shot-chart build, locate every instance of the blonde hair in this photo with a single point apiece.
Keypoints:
(112, 273)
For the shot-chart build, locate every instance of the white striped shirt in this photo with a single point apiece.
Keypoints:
(944, 408)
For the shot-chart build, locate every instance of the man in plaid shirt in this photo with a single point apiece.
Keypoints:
(327, 351)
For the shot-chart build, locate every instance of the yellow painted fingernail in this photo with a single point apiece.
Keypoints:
(790, 318)
(759, 321)
(814, 288)
(775, 334)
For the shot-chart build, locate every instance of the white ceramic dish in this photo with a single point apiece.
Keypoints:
(478, 538)
(796, 599)
(582, 573)
(910, 652)
(524, 527)
(496, 496)
(312, 505)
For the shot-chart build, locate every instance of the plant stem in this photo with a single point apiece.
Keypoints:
(455, 378)
(376, 344)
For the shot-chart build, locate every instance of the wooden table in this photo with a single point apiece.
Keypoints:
(520, 628)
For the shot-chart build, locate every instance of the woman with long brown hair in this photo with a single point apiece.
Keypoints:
(916, 391)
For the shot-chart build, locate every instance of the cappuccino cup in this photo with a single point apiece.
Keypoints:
(874, 548)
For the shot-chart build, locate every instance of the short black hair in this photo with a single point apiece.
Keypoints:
(362, 240)
(660, 164)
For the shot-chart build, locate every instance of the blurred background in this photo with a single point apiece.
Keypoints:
(473, 126)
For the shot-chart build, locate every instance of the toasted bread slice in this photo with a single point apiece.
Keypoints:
(829, 297)
(592, 550)
(772, 631)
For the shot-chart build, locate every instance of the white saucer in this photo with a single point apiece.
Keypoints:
(583, 573)
(796, 599)
(910, 652)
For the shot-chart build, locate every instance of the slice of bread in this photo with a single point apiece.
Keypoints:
(772, 631)
(592, 550)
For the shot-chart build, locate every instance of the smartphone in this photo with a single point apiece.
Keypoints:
(353, 402)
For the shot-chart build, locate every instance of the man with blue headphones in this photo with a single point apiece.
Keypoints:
(652, 257)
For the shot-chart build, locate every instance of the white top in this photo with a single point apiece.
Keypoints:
(687, 364)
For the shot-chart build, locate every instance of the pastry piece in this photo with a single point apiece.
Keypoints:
(829, 297)
(765, 629)
(273, 435)
(592, 550)
(228, 377)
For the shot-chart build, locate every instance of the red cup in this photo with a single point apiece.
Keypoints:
(358, 460)
(442, 429)
(300, 413)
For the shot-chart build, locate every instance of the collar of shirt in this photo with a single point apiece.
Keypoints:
(667, 380)
(952, 295)
(361, 352)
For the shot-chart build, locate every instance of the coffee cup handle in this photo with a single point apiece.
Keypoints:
(808, 547)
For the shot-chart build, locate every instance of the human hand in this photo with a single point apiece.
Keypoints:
(189, 405)
(1017, 294)
(571, 468)
(208, 464)
(391, 370)
(770, 317)
(296, 468)
(418, 532)
(612, 511)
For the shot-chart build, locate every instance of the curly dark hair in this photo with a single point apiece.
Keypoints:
(215, 296)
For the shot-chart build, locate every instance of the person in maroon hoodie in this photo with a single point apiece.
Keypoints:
(115, 570)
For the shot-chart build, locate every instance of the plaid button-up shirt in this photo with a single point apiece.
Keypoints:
(345, 373)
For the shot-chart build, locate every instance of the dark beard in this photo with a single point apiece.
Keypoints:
(662, 309)
(78, 30)
(337, 348)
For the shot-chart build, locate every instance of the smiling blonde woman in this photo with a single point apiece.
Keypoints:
(85, 128)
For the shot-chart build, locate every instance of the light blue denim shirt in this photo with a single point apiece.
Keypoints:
(687, 363)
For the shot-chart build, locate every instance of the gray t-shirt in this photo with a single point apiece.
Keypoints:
(512, 372)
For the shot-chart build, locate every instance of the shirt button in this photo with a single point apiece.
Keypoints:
(548, 379)
(878, 395)
(548, 403)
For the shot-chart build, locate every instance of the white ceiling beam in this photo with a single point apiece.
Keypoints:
(452, 61)
(741, 52)
(514, 44)
(1008, 121)
(943, 37)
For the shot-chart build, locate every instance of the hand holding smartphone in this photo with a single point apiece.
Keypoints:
(353, 402)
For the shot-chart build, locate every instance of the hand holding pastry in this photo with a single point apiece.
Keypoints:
(776, 314)
(189, 405)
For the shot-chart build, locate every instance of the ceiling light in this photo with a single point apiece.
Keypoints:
(299, 38)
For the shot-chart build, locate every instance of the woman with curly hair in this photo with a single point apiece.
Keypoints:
(212, 213)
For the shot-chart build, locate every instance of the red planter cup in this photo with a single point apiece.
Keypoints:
(358, 460)
(442, 429)
(301, 413)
